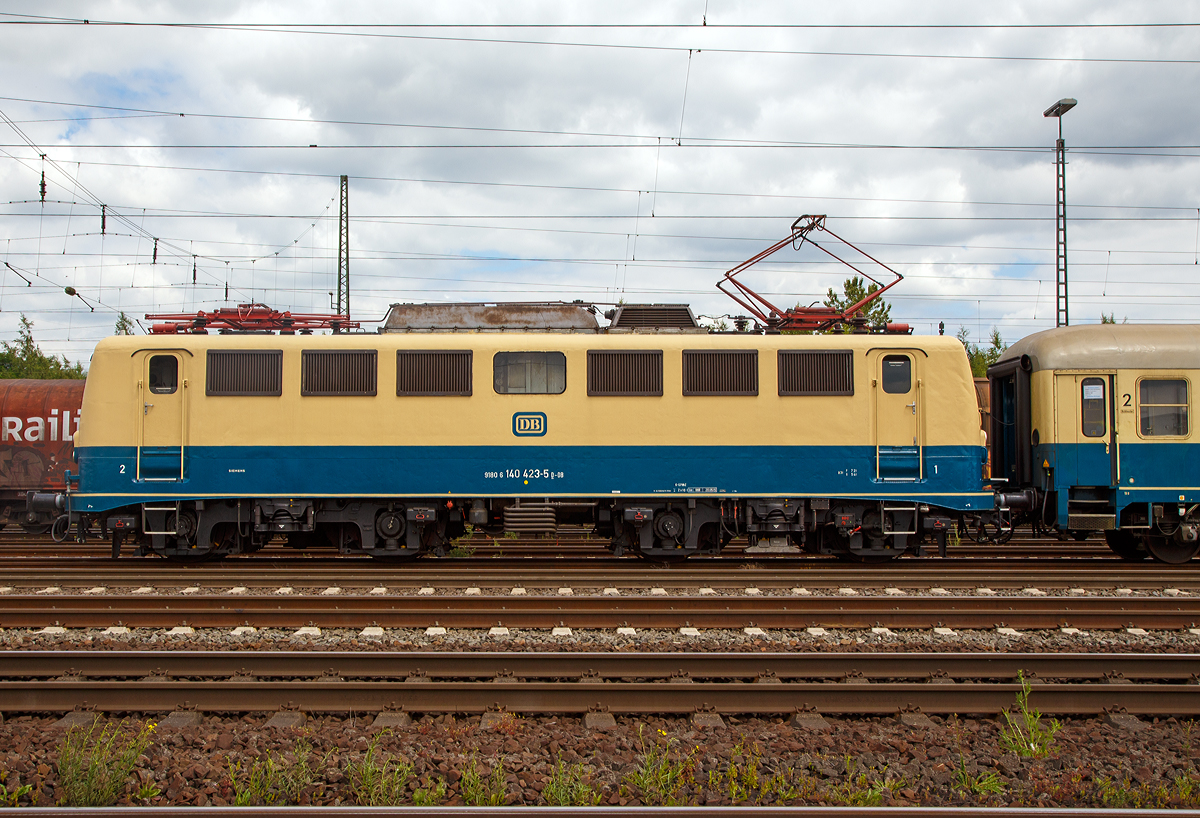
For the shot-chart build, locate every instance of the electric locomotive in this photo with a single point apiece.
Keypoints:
(669, 443)
(1092, 425)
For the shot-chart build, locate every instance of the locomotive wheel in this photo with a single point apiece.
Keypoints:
(1170, 550)
(1125, 545)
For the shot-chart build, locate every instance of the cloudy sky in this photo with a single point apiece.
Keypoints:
(602, 151)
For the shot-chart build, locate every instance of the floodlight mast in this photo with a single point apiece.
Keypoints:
(809, 319)
(1061, 316)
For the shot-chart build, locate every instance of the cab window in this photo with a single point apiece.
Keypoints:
(529, 373)
(897, 374)
(1162, 407)
(163, 374)
(1095, 420)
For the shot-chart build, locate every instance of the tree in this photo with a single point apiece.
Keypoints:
(124, 325)
(1111, 318)
(855, 289)
(24, 360)
(982, 357)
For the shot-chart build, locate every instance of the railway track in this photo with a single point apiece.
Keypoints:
(629, 683)
(1098, 574)
(483, 611)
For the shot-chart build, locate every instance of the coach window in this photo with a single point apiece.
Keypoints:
(897, 374)
(1162, 406)
(1095, 421)
(529, 373)
(164, 374)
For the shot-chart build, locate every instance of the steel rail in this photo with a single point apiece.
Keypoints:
(554, 573)
(748, 667)
(158, 692)
(601, 612)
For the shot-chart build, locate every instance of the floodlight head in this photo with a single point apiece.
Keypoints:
(1061, 107)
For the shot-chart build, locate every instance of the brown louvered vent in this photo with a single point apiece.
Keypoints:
(816, 372)
(617, 372)
(720, 372)
(654, 316)
(433, 372)
(338, 372)
(244, 372)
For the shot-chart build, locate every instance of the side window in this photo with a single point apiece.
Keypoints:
(529, 373)
(164, 374)
(897, 374)
(1095, 420)
(1162, 406)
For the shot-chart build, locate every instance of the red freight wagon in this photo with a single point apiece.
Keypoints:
(38, 422)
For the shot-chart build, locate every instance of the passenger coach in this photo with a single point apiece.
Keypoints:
(670, 444)
(1094, 422)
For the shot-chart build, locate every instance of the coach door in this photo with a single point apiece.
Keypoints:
(1084, 420)
(897, 396)
(161, 453)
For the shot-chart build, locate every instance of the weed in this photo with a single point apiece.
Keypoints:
(567, 787)
(377, 780)
(857, 791)
(147, 792)
(9, 798)
(983, 784)
(740, 782)
(93, 768)
(478, 791)
(432, 794)
(510, 724)
(511, 535)
(461, 552)
(1024, 733)
(659, 780)
(272, 780)
(1183, 791)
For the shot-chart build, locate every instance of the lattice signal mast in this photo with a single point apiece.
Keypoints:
(810, 319)
(343, 284)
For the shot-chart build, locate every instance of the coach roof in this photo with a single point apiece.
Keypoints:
(1111, 346)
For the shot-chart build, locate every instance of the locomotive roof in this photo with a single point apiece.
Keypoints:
(1111, 346)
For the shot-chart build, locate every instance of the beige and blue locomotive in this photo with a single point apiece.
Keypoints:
(669, 444)
(1092, 423)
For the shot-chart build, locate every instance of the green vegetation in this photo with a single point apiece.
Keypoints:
(988, 783)
(93, 767)
(478, 791)
(1023, 733)
(568, 787)
(377, 780)
(661, 775)
(855, 289)
(982, 357)
(1179, 793)
(9, 798)
(274, 780)
(124, 325)
(432, 794)
(24, 360)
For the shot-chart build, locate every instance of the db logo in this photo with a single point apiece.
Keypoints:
(529, 424)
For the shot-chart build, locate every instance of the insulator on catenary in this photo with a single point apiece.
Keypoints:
(154, 258)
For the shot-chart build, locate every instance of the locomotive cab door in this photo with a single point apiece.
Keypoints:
(161, 445)
(898, 443)
(1086, 432)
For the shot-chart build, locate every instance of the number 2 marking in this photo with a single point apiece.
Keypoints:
(1126, 403)
(122, 468)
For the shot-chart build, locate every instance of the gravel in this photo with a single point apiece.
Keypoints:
(855, 761)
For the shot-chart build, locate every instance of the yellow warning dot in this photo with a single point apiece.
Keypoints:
(527, 482)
